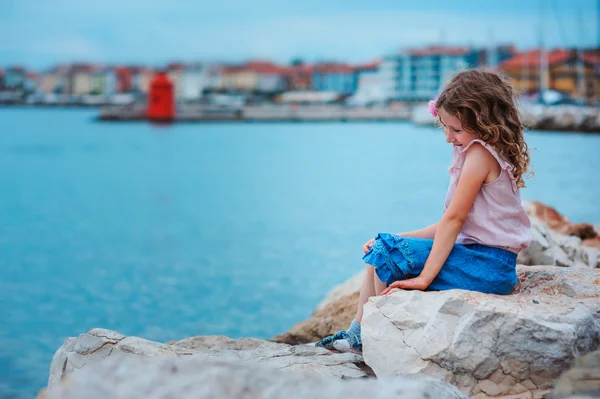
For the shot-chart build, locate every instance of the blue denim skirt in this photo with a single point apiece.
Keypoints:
(471, 267)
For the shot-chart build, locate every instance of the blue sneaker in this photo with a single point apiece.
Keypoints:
(328, 341)
(351, 344)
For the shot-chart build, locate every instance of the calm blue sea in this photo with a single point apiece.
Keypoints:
(196, 229)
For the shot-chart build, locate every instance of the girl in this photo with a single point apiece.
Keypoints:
(475, 244)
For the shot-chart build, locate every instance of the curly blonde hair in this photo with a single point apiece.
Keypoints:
(486, 104)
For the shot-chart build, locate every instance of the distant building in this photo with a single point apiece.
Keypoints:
(79, 79)
(110, 81)
(175, 73)
(82, 80)
(133, 79)
(196, 79)
(32, 82)
(369, 88)
(142, 78)
(57, 80)
(192, 82)
(49, 81)
(124, 80)
(270, 78)
(260, 76)
(60, 78)
(419, 73)
(569, 72)
(103, 81)
(97, 84)
(335, 77)
(14, 78)
(236, 77)
(490, 57)
(300, 77)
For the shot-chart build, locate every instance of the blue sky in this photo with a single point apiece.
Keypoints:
(40, 33)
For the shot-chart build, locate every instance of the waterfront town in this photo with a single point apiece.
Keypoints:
(560, 88)
(416, 74)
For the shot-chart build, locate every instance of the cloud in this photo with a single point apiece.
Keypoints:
(354, 36)
(153, 32)
(66, 48)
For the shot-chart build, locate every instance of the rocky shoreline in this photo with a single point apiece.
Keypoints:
(559, 118)
(563, 118)
(448, 344)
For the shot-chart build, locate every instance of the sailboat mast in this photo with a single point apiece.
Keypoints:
(492, 53)
(580, 63)
(544, 83)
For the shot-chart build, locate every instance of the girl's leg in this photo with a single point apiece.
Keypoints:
(371, 286)
(352, 342)
(380, 286)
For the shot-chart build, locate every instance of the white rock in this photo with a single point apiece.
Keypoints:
(294, 358)
(485, 344)
(98, 344)
(592, 255)
(195, 377)
(551, 248)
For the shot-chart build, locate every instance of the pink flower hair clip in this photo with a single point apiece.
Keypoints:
(432, 109)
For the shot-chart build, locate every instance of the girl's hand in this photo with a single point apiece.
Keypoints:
(368, 245)
(417, 283)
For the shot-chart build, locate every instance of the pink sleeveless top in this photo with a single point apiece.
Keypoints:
(497, 218)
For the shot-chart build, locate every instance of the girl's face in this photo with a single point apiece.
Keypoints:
(454, 131)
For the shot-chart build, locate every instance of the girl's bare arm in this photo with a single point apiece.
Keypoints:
(425, 232)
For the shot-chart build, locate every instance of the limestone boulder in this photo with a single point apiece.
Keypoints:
(99, 344)
(195, 377)
(582, 380)
(556, 241)
(301, 358)
(488, 345)
(591, 123)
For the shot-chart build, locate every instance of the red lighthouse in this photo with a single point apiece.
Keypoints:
(161, 104)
